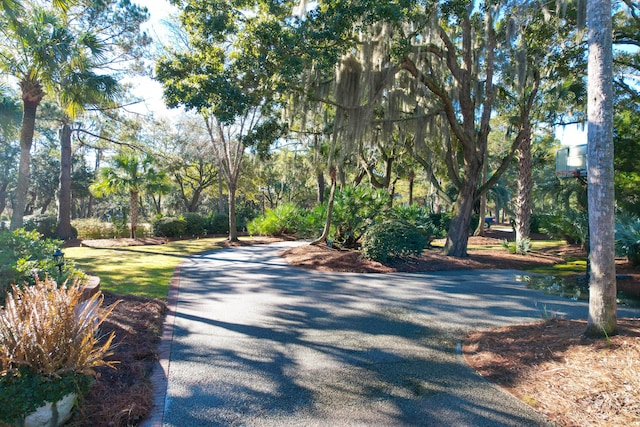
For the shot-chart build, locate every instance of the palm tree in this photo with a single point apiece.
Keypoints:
(129, 174)
(79, 89)
(602, 278)
(35, 44)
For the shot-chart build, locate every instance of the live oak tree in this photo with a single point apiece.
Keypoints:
(228, 79)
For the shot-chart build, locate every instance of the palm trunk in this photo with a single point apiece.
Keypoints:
(64, 192)
(602, 319)
(133, 201)
(525, 188)
(30, 106)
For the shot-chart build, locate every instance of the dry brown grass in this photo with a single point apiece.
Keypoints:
(51, 331)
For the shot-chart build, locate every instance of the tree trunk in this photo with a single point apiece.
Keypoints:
(602, 319)
(3, 196)
(525, 188)
(458, 235)
(327, 224)
(483, 201)
(220, 199)
(320, 186)
(412, 177)
(133, 201)
(32, 94)
(64, 191)
(233, 227)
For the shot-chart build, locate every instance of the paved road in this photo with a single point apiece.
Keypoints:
(257, 342)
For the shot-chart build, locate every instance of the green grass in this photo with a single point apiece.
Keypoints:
(138, 270)
(560, 270)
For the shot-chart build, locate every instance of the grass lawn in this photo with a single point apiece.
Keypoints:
(138, 270)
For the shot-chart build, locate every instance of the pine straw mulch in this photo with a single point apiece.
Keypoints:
(573, 380)
(124, 396)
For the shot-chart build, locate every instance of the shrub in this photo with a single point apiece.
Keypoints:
(43, 224)
(25, 255)
(48, 345)
(285, 219)
(169, 227)
(571, 226)
(93, 228)
(218, 223)
(312, 221)
(196, 224)
(354, 210)
(440, 222)
(417, 216)
(390, 240)
(534, 226)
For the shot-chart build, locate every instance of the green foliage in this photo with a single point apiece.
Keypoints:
(521, 247)
(46, 332)
(218, 223)
(196, 224)
(534, 226)
(285, 219)
(25, 255)
(93, 228)
(441, 222)
(417, 216)
(312, 222)
(628, 237)
(570, 225)
(627, 151)
(22, 394)
(169, 227)
(392, 240)
(354, 209)
(43, 224)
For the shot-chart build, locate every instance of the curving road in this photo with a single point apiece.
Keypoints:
(259, 343)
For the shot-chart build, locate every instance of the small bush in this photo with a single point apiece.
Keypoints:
(313, 221)
(218, 223)
(47, 332)
(196, 224)
(169, 227)
(391, 240)
(25, 255)
(43, 224)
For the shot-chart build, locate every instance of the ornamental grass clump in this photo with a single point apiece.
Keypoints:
(49, 345)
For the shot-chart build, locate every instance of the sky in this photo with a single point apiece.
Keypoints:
(145, 88)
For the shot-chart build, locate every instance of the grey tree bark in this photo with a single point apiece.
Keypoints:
(602, 319)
